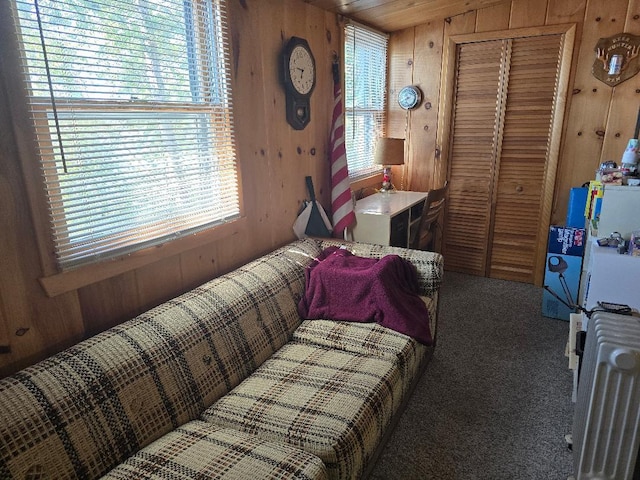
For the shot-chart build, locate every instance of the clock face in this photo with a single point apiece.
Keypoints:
(301, 70)
(409, 97)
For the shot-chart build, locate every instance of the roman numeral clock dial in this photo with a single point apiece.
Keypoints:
(299, 79)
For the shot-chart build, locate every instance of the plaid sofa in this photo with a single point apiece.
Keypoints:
(225, 381)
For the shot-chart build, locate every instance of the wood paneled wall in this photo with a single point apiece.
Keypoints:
(274, 160)
(599, 119)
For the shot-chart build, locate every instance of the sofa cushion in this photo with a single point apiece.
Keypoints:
(365, 339)
(331, 403)
(85, 410)
(202, 450)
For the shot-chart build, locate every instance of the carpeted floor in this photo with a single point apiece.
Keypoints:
(495, 400)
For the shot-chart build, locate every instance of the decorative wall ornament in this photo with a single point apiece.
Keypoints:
(410, 97)
(616, 58)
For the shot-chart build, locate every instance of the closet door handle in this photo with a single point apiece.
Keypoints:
(519, 189)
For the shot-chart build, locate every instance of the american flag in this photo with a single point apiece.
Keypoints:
(341, 204)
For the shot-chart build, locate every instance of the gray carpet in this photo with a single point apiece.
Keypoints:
(495, 400)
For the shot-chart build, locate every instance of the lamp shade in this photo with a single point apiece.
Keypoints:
(389, 151)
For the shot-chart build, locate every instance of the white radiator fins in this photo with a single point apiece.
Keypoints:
(606, 428)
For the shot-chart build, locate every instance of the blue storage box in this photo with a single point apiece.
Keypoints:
(563, 267)
(576, 207)
(566, 240)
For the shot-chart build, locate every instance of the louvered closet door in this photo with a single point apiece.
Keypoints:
(502, 116)
(533, 67)
(472, 154)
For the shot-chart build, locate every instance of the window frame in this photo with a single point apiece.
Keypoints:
(371, 169)
(53, 281)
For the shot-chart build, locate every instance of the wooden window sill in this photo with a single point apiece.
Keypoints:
(60, 283)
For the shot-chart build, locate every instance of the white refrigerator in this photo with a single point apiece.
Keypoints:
(609, 276)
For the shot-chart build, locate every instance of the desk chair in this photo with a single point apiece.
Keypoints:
(422, 238)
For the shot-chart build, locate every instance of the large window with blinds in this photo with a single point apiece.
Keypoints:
(365, 58)
(131, 106)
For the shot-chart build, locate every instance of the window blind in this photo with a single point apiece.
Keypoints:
(131, 105)
(365, 54)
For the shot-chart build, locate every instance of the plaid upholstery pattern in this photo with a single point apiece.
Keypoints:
(430, 265)
(365, 339)
(87, 409)
(201, 450)
(83, 411)
(330, 403)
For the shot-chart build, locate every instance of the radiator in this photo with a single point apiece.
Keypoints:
(606, 425)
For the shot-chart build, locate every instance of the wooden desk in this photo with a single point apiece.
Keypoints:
(388, 218)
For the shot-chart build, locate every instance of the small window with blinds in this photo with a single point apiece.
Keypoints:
(365, 58)
(131, 107)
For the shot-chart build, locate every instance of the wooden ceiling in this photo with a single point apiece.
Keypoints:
(392, 15)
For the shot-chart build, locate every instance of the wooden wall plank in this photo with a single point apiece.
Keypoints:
(252, 141)
(465, 23)
(401, 55)
(292, 165)
(5, 342)
(401, 60)
(493, 18)
(589, 109)
(527, 13)
(327, 41)
(158, 282)
(565, 11)
(281, 154)
(326, 37)
(198, 266)
(110, 302)
(422, 173)
(625, 102)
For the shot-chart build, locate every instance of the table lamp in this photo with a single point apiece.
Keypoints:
(389, 151)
